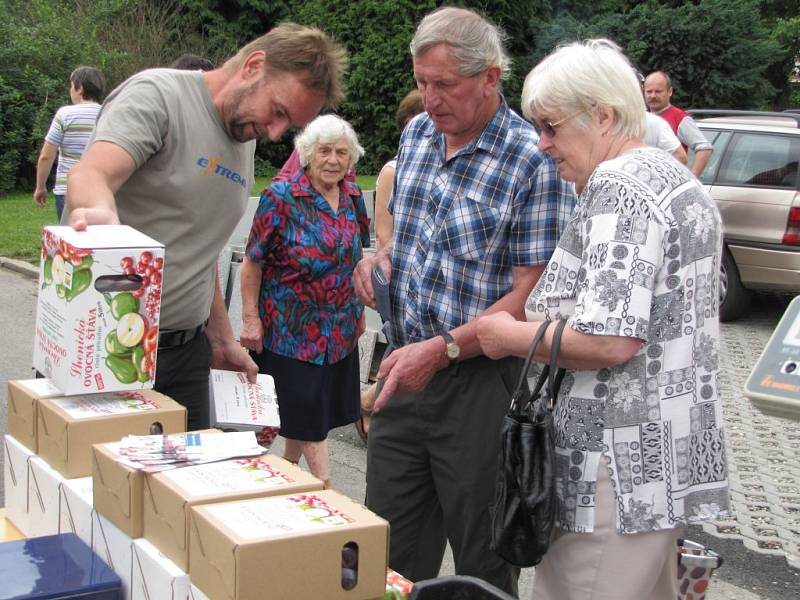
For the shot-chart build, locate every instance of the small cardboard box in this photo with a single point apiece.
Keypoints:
(154, 576)
(67, 427)
(118, 488)
(8, 533)
(238, 404)
(169, 495)
(44, 484)
(114, 547)
(23, 396)
(15, 481)
(75, 508)
(98, 308)
(288, 547)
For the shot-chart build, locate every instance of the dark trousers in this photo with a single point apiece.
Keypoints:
(431, 470)
(182, 374)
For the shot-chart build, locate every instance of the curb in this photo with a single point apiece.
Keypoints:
(19, 266)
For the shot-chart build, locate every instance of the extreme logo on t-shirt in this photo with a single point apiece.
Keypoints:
(212, 166)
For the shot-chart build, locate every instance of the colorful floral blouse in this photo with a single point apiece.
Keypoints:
(308, 253)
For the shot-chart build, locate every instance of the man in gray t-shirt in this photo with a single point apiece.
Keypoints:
(172, 156)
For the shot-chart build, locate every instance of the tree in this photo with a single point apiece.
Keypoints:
(716, 51)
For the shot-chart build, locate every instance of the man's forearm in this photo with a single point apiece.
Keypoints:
(88, 189)
(219, 325)
(513, 302)
(700, 160)
(43, 168)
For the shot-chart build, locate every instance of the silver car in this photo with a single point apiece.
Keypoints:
(753, 177)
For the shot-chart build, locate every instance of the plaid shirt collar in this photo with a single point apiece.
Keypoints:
(491, 140)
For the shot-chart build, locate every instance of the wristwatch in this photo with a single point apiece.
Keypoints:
(452, 349)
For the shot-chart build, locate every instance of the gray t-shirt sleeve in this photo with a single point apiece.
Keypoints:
(135, 119)
(691, 136)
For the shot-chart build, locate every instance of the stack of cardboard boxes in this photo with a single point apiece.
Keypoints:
(256, 527)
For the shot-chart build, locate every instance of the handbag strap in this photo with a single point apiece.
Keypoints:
(550, 373)
(556, 375)
(518, 391)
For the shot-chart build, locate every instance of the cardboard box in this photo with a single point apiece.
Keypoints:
(15, 482)
(98, 308)
(23, 397)
(44, 484)
(154, 576)
(118, 488)
(169, 495)
(287, 547)
(67, 427)
(238, 404)
(114, 547)
(75, 508)
(8, 533)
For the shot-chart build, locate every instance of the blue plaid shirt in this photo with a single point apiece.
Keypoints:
(460, 225)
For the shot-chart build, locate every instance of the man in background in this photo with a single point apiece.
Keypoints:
(658, 92)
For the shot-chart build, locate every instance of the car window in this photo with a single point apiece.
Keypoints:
(719, 139)
(761, 159)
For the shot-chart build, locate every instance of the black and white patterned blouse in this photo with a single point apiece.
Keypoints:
(640, 258)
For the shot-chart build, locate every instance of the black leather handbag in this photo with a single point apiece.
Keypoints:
(525, 501)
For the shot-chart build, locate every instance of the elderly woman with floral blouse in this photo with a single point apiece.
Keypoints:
(639, 440)
(301, 317)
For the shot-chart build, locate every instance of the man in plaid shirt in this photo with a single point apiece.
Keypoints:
(477, 212)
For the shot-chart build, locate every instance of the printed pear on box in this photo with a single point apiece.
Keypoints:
(132, 345)
(98, 309)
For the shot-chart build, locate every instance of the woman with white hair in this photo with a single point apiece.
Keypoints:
(301, 317)
(639, 441)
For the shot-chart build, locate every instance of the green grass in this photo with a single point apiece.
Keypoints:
(21, 221)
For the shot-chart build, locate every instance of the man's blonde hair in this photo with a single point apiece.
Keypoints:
(307, 51)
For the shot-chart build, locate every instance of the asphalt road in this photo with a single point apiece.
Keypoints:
(746, 575)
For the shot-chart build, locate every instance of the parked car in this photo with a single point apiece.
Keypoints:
(753, 177)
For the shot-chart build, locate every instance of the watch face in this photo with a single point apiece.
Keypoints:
(453, 351)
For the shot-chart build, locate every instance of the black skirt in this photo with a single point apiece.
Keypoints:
(313, 399)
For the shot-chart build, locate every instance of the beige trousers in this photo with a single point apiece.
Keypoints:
(605, 565)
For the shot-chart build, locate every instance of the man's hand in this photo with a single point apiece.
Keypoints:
(362, 277)
(493, 334)
(410, 368)
(80, 218)
(40, 197)
(252, 335)
(233, 357)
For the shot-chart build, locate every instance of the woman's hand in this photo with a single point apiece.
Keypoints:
(493, 333)
(362, 276)
(252, 335)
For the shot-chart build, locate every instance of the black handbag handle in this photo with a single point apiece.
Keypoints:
(556, 375)
(550, 373)
(518, 391)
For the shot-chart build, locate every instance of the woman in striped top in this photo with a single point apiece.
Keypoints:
(69, 133)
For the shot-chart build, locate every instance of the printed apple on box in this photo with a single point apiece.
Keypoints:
(98, 308)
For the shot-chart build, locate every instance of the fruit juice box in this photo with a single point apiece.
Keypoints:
(98, 308)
